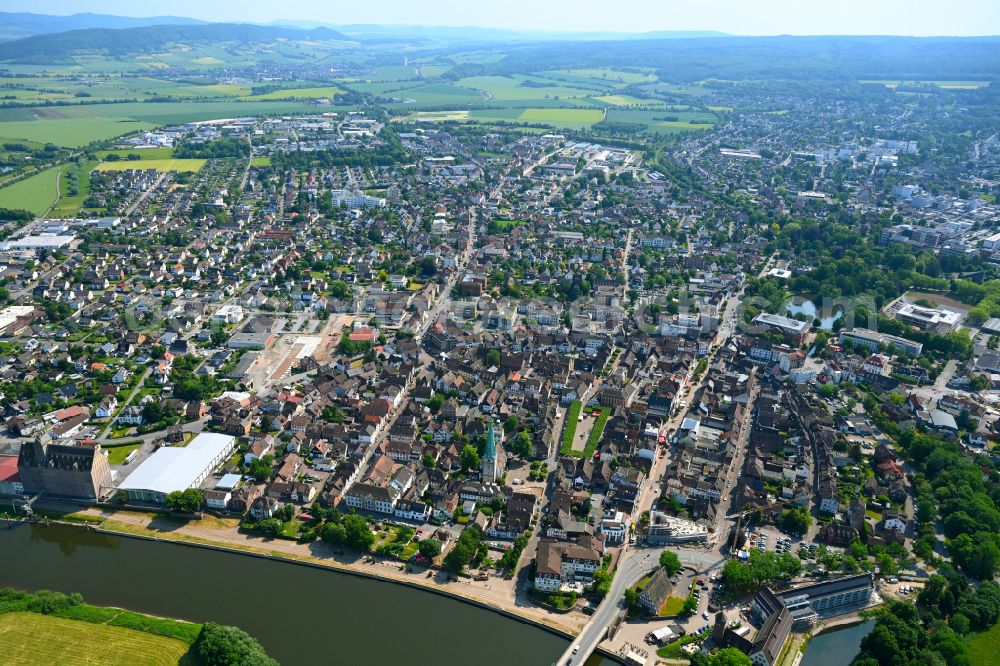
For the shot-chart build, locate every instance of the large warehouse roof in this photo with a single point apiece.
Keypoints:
(178, 468)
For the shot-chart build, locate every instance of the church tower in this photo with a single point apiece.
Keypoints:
(494, 459)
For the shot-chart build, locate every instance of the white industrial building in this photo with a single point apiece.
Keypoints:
(228, 314)
(177, 468)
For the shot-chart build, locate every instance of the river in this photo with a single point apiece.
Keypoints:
(300, 614)
(837, 647)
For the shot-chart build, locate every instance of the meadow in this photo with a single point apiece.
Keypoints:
(70, 205)
(27, 639)
(521, 88)
(35, 193)
(76, 126)
(167, 164)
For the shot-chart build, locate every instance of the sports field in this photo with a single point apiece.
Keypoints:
(29, 639)
(168, 164)
(35, 193)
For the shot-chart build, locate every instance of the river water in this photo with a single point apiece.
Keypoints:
(301, 615)
(838, 647)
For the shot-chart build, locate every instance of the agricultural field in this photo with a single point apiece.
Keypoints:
(168, 164)
(27, 639)
(76, 126)
(665, 121)
(69, 204)
(437, 116)
(568, 118)
(35, 193)
(438, 94)
(161, 153)
(71, 132)
(521, 88)
(627, 100)
(301, 93)
(599, 75)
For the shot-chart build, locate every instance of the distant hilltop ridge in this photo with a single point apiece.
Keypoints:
(116, 41)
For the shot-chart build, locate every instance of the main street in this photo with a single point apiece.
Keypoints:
(635, 562)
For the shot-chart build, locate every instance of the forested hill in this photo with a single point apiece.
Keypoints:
(147, 39)
(17, 25)
(828, 58)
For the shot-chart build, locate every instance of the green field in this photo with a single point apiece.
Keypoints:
(71, 132)
(35, 193)
(602, 74)
(622, 100)
(169, 164)
(29, 639)
(147, 153)
(301, 93)
(75, 126)
(521, 88)
(985, 647)
(437, 94)
(70, 205)
(569, 118)
(260, 162)
(117, 453)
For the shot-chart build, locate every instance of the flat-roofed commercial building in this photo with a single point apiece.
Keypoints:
(873, 340)
(928, 319)
(791, 329)
(177, 468)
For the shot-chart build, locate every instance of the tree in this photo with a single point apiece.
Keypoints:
(493, 358)
(632, 598)
(724, 657)
(333, 533)
(272, 527)
(796, 521)
(219, 645)
(358, 535)
(260, 468)
(470, 458)
(522, 446)
(670, 562)
(430, 548)
(186, 501)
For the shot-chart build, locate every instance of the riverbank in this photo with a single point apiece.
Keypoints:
(496, 595)
(296, 612)
(797, 645)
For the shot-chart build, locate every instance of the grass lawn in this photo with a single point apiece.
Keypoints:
(71, 132)
(672, 606)
(70, 205)
(118, 452)
(673, 650)
(27, 639)
(169, 164)
(596, 432)
(160, 153)
(570, 118)
(35, 193)
(260, 162)
(986, 646)
(301, 93)
(569, 429)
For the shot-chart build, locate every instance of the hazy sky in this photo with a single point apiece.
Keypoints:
(755, 17)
